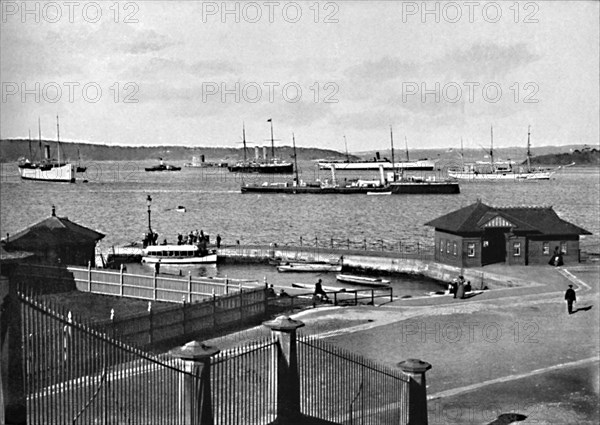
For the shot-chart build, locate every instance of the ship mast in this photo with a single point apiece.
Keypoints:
(346, 144)
(295, 158)
(244, 140)
(30, 153)
(40, 138)
(58, 140)
(393, 162)
(492, 146)
(528, 148)
(272, 141)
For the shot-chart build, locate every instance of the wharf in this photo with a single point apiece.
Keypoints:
(371, 261)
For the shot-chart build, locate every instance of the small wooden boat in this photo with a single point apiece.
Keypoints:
(446, 293)
(378, 193)
(310, 267)
(361, 280)
(180, 208)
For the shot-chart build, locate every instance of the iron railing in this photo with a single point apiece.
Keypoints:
(344, 387)
(78, 375)
(244, 384)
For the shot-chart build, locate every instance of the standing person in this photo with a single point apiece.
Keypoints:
(218, 241)
(157, 267)
(319, 292)
(570, 298)
(460, 291)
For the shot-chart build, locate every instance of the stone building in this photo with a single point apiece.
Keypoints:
(480, 234)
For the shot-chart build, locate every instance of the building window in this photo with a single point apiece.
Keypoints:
(441, 246)
(563, 247)
(471, 250)
(517, 249)
(486, 244)
(546, 248)
(448, 247)
(454, 249)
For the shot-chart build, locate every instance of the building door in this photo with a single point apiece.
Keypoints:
(493, 248)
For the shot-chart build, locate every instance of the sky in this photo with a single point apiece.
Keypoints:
(193, 73)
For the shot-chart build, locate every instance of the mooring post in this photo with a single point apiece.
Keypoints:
(288, 381)
(195, 407)
(417, 392)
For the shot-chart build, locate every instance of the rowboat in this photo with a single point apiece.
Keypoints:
(446, 293)
(361, 280)
(310, 267)
(378, 193)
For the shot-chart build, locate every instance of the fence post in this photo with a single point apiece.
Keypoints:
(195, 407)
(121, 280)
(89, 276)
(150, 322)
(155, 284)
(288, 381)
(417, 391)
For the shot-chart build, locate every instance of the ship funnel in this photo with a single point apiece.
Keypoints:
(381, 174)
(47, 151)
(256, 153)
(265, 153)
(201, 158)
(377, 156)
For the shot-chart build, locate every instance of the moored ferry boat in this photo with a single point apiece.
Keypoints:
(177, 254)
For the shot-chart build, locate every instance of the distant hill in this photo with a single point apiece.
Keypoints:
(584, 156)
(542, 155)
(12, 149)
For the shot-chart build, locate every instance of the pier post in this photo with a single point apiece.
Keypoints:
(121, 280)
(195, 407)
(189, 286)
(417, 391)
(288, 380)
(89, 282)
(150, 324)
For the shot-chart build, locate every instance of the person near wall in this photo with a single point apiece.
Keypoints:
(557, 258)
(570, 297)
(157, 267)
(319, 292)
(218, 241)
(460, 291)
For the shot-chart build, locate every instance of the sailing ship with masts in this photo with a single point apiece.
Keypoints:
(501, 170)
(266, 166)
(46, 168)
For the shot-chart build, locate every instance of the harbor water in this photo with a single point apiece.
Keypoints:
(113, 202)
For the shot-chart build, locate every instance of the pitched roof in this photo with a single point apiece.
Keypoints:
(472, 219)
(52, 231)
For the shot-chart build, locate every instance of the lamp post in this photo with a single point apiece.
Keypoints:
(149, 203)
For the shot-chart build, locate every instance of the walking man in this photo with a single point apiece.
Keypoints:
(319, 292)
(571, 298)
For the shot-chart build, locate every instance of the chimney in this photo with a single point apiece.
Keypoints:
(53, 211)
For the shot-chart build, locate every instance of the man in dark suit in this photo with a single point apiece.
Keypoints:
(571, 298)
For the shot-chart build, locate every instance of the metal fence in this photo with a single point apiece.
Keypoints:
(244, 386)
(362, 391)
(75, 374)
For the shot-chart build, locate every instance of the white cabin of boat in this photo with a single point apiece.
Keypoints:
(177, 254)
